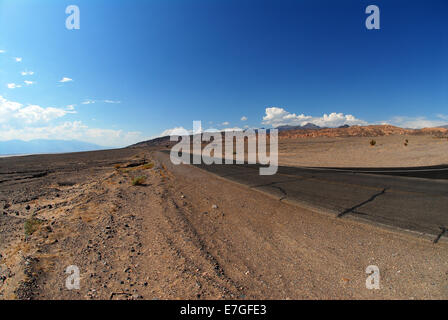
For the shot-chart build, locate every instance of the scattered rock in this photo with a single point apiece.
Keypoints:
(214, 206)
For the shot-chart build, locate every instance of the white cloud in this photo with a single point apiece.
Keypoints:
(90, 101)
(178, 131)
(243, 118)
(15, 112)
(2, 51)
(7, 109)
(27, 73)
(225, 123)
(34, 122)
(232, 129)
(278, 116)
(13, 85)
(18, 59)
(65, 79)
(28, 83)
(71, 107)
(111, 101)
(417, 122)
(34, 113)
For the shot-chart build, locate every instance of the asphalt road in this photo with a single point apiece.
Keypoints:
(413, 199)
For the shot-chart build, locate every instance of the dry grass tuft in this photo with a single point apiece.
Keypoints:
(138, 181)
(31, 225)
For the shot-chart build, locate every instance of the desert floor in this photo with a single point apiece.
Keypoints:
(185, 233)
(389, 151)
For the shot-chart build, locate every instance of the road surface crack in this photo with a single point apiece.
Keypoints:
(352, 209)
(443, 231)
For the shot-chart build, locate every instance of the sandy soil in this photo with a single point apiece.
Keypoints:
(389, 151)
(186, 234)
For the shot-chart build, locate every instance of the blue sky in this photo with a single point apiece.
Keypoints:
(136, 69)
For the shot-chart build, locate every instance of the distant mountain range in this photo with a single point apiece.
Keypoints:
(445, 127)
(12, 147)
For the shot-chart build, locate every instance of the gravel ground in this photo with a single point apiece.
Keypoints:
(184, 233)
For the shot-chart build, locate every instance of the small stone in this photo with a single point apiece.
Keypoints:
(28, 207)
(214, 206)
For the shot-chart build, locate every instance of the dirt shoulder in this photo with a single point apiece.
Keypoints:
(185, 233)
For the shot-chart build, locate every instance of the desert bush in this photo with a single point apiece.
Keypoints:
(117, 166)
(148, 166)
(406, 142)
(372, 142)
(31, 225)
(138, 181)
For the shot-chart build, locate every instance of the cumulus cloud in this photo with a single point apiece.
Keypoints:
(88, 102)
(13, 85)
(417, 122)
(18, 59)
(243, 118)
(2, 51)
(18, 121)
(278, 116)
(232, 129)
(10, 111)
(225, 123)
(27, 73)
(65, 79)
(8, 108)
(28, 83)
(33, 113)
(178, 131)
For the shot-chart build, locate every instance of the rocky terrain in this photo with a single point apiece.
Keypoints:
(139, 227)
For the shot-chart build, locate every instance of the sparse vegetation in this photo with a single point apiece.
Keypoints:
(372, 142)
(117, 166)
(148, 166)
(31, 225)
(138, 181)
